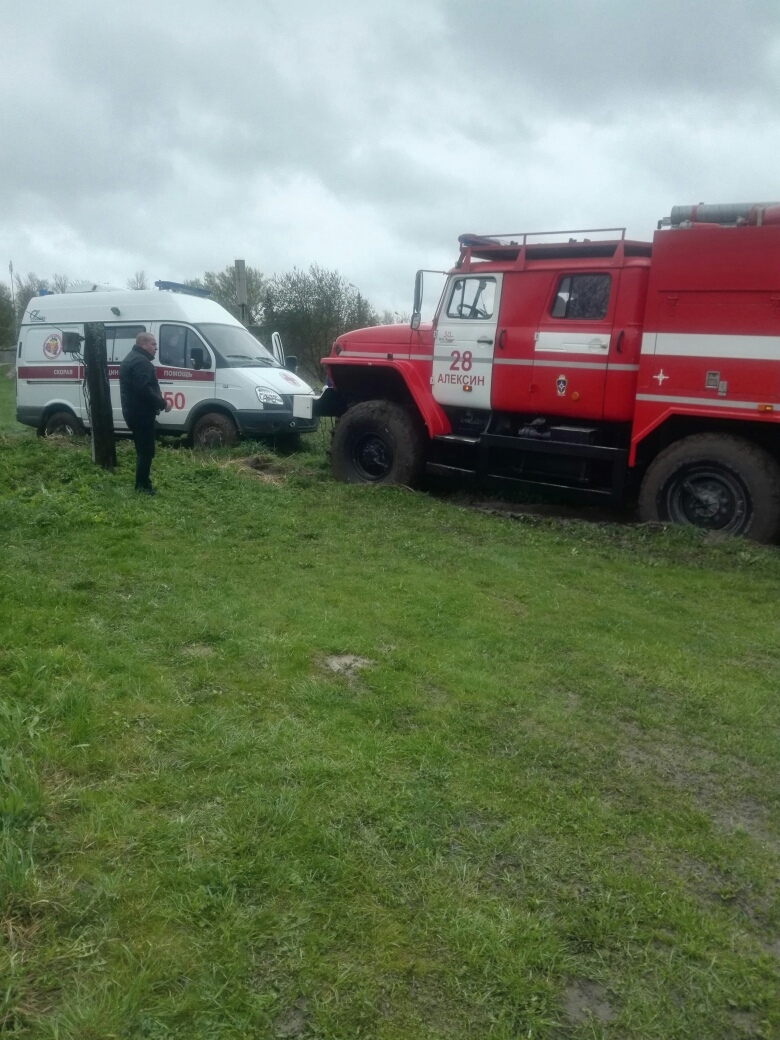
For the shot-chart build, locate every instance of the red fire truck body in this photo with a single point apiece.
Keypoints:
(603, 365)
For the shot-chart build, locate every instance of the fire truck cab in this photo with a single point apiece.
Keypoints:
(587, 361)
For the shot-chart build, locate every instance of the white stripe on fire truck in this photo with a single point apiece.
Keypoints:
(382, 355)
(706, 402)
(603, 365)
(740, 348)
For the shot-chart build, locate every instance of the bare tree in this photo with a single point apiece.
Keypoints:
(310, 308)
(60, 283)
(138, 281)
(395, 318)
(26, 288)
(7, 324)
(222, 286)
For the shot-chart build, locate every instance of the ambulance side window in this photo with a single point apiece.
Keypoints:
(198, 355)
(123, 339)
(173, 343)
(176, 348)
(582, 297)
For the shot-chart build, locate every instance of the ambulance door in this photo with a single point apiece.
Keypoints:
(464, 339)
(185, 370)
(120, 340)
(571, 351)
(47, 377)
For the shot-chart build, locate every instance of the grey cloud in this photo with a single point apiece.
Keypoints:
(171, 136)
(608, 53)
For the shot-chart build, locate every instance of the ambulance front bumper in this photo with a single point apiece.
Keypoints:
(276, 420)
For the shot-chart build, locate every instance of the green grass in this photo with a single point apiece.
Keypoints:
(547, 808)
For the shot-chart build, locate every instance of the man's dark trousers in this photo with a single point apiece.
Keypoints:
(143, 437)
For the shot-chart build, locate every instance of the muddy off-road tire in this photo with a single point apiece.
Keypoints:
(378, 442)
(214, 430)
(63, 424)
(716, 482)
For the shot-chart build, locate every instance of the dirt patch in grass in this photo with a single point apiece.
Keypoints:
(293, 1021)
(539, 510)
(715, 885)
(197, 650)
(584, 1000)
(749, 816)
(688, 769)
(746, 1024)
(263, 467)
(348, 665)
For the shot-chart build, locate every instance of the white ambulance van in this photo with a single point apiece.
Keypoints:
(222, 382)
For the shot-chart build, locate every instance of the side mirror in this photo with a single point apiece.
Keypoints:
(71, 343)
(417, 305)
(291, 363)
(196, 357)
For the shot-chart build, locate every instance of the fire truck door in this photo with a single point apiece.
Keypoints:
(571, 350)
(465, 335)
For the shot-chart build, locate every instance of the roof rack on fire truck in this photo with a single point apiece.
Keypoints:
(521, 246)
(520, 238)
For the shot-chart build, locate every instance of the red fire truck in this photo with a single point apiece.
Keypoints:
(612, 367)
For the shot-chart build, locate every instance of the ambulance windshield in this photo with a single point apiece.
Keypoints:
(237, 348)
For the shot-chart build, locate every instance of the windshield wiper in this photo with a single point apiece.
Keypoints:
(254, 360)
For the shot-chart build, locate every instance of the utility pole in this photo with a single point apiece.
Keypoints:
(241, 294)
(99, 395)
(13, 294)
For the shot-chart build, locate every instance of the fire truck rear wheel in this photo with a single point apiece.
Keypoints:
(214, 430)
(378, 442)
(719, 483)
(63, 424)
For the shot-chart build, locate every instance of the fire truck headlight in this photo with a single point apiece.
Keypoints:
(266, 395)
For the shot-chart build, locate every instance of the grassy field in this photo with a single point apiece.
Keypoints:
(285, 758)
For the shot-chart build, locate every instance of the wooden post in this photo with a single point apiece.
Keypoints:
(99, 395)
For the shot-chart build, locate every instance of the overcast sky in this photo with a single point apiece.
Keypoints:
(366, 136)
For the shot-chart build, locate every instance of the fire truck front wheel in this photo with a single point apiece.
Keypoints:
(717, 482)
(378, 442)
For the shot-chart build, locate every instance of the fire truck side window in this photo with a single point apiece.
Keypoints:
(472, 298)
(582, 297)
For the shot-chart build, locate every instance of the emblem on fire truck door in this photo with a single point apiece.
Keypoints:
(560, 385)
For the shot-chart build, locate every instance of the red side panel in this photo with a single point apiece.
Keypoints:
(711, 345)
(624, 352)
(524, 295)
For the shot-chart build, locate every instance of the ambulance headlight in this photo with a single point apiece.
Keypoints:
(266, 395)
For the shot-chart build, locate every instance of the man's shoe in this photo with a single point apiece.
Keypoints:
(146, 490)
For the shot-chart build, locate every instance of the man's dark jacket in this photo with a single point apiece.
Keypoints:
(138, 388)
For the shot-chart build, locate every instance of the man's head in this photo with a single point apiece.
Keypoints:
(147, 342)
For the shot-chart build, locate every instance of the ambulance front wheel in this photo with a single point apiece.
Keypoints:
(378, 442)
(63, 424)
(214, 430)
(716, 482)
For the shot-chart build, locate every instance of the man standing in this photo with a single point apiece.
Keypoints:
(141, 401)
